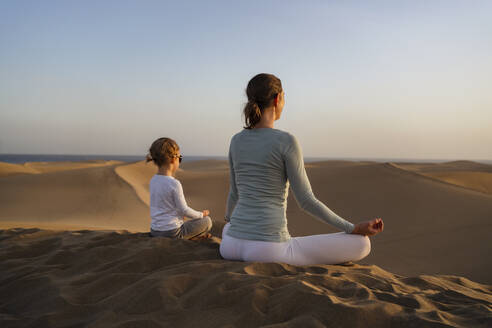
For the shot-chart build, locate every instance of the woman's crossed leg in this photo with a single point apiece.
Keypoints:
(331, 248)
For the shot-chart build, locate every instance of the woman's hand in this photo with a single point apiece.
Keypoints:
(369, 228)
(206, 213)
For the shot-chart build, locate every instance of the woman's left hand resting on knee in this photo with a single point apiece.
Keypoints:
(369, 228)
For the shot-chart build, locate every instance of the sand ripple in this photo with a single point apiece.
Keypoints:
(120, 279)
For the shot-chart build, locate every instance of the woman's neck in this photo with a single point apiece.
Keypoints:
(267, 119)
(263, 126)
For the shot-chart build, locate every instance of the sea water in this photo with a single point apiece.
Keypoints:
(23, 158)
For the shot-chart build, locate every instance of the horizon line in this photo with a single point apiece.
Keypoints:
(349, 158)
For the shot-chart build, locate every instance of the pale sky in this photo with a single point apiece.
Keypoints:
(372, 79)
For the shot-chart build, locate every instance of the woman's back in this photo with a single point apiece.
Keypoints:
(264, 163)
(257, 161)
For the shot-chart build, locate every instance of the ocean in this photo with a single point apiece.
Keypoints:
(23, 158)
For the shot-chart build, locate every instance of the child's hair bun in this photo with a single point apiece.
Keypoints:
(162, 151)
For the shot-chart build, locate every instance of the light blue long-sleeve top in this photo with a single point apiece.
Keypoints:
(262, 164)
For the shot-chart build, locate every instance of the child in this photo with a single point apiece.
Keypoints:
(167, 203)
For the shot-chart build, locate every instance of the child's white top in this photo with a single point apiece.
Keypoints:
(167, 204)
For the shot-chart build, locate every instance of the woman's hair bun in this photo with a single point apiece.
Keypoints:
(261, 91)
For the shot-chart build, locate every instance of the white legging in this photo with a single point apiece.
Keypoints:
(330, 248)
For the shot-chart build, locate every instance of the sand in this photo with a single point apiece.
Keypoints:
(120, 279)
(8, 169)
(470, 175)
(430, 267)
(91, 197)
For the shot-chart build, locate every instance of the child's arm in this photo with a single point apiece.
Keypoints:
(181, 205)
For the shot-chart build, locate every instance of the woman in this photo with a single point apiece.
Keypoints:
(263, 162)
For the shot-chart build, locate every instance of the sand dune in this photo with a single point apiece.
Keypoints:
(205, 183)
(429, 224)
(431, 227)
(51, 278)
(470, 175)
(418, 211)
(447, 166)
(138, 176)
(118, 279)
(478, 181)
(95, 198)
(46, 167)
(8, 169)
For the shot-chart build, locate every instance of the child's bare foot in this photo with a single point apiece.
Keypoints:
(202, 237)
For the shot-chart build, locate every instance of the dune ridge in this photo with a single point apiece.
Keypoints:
(9, 169)
(121, 279)
(464, 174)
(138, 174)
(93, 197)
